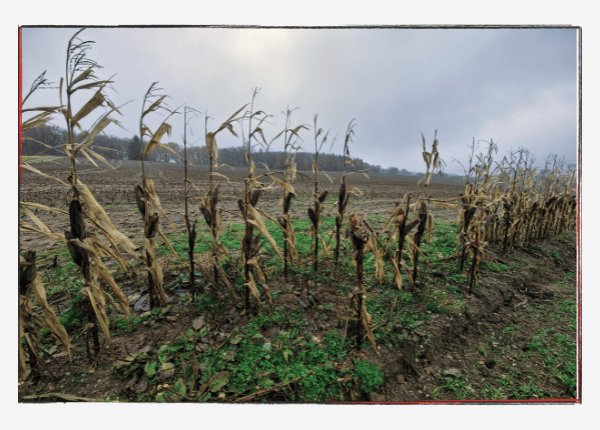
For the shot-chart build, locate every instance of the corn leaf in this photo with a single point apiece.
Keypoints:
(259, 223)
(89, 107)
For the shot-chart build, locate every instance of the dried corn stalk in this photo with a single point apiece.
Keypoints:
(37, 120)
(147, 198)
(252, 190)
(208, 206)
(83, 247)
(318, 199)
(433, 163)
(29, 279)
(343, 195)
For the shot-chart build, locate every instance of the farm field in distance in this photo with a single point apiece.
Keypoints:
(513, 338)
(114, 191)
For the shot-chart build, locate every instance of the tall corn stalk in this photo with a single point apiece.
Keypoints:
(37, 120)
(433, 163)
(318, 199)
(251, 244)
(86, 248)
(289, 174)
(147, 198)
(28, 275)
(343, 195)
(190, 226)
(208, 206)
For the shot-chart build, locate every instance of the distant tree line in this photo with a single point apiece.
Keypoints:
(48, 140)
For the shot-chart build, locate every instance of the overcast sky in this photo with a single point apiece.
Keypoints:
(515, 86)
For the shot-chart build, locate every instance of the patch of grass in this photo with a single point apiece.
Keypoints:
(498, 267)
(529, 390)
(121, 325)
(457, 387)
(76, 316)
(443, 242)
(247, 362)
(438, 302)
(457, 279)
(368, 374)
(559, 354)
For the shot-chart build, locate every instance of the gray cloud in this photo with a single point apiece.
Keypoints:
(516, 86)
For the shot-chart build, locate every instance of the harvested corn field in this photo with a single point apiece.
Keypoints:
(312, 277)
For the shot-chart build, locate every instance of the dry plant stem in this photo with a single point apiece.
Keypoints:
(285, 249)
(155, 292)
(358, 238)
(289, 171)
(28, 329)
(76, 216)
(402, 233)
(154, 301)
(247, 243)
(417, 240)
(190, 229)
(249, 230)
(318, 200)
(212, 209)
(317, 211)
(247, 240)
(284, 221)
(359, 331)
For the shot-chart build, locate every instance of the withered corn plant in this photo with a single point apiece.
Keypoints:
(37, 120)
(359, 236)
(208, 206)
(30, 280)
(314, 213)
(425, 220)
(147, 198)
(291, 147)
(344, 195)
(86, 249)
(190, 226)
(474, 200)
(400, 230)
(251, 244)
